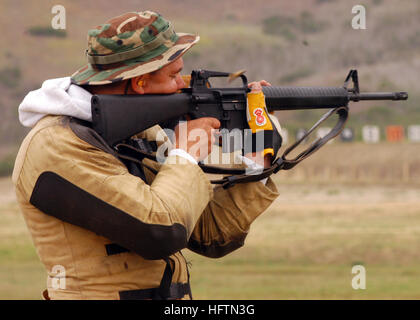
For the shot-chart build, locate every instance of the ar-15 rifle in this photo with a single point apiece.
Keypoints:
(119, 117)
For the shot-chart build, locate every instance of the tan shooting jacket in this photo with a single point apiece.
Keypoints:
(110, 234)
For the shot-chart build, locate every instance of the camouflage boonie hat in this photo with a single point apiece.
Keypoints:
(131, 45)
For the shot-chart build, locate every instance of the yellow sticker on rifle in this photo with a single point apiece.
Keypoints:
(257, 116)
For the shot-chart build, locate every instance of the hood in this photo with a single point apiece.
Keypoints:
(55, 97)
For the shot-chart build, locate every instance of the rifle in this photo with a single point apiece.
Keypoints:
(118, 117)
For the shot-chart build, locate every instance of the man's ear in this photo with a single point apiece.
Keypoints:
(137, 84)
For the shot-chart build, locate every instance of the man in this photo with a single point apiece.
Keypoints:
(116, 230)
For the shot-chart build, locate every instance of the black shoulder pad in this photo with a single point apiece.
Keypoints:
(60, 198)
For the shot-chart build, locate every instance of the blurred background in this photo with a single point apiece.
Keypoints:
(355, 202)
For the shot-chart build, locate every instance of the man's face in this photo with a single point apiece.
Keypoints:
(165, 80)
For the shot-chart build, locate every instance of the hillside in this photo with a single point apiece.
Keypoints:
(309, 42)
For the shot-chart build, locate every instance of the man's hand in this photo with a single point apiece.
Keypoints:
(256, 86)
(196, 137)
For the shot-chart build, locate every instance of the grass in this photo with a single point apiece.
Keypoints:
(277, 281)
(305, 245)
(22, 276)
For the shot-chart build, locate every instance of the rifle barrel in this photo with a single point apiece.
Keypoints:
(298, 98)
(378, 96)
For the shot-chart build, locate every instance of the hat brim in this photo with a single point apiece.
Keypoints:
(158, 58)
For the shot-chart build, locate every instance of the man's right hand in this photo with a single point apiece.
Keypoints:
(197, 136)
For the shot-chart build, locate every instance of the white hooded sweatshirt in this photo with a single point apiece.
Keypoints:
(55, 97)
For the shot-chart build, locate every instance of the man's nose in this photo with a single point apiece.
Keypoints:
(180, 82)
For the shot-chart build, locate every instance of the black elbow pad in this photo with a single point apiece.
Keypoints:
(215, 249)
